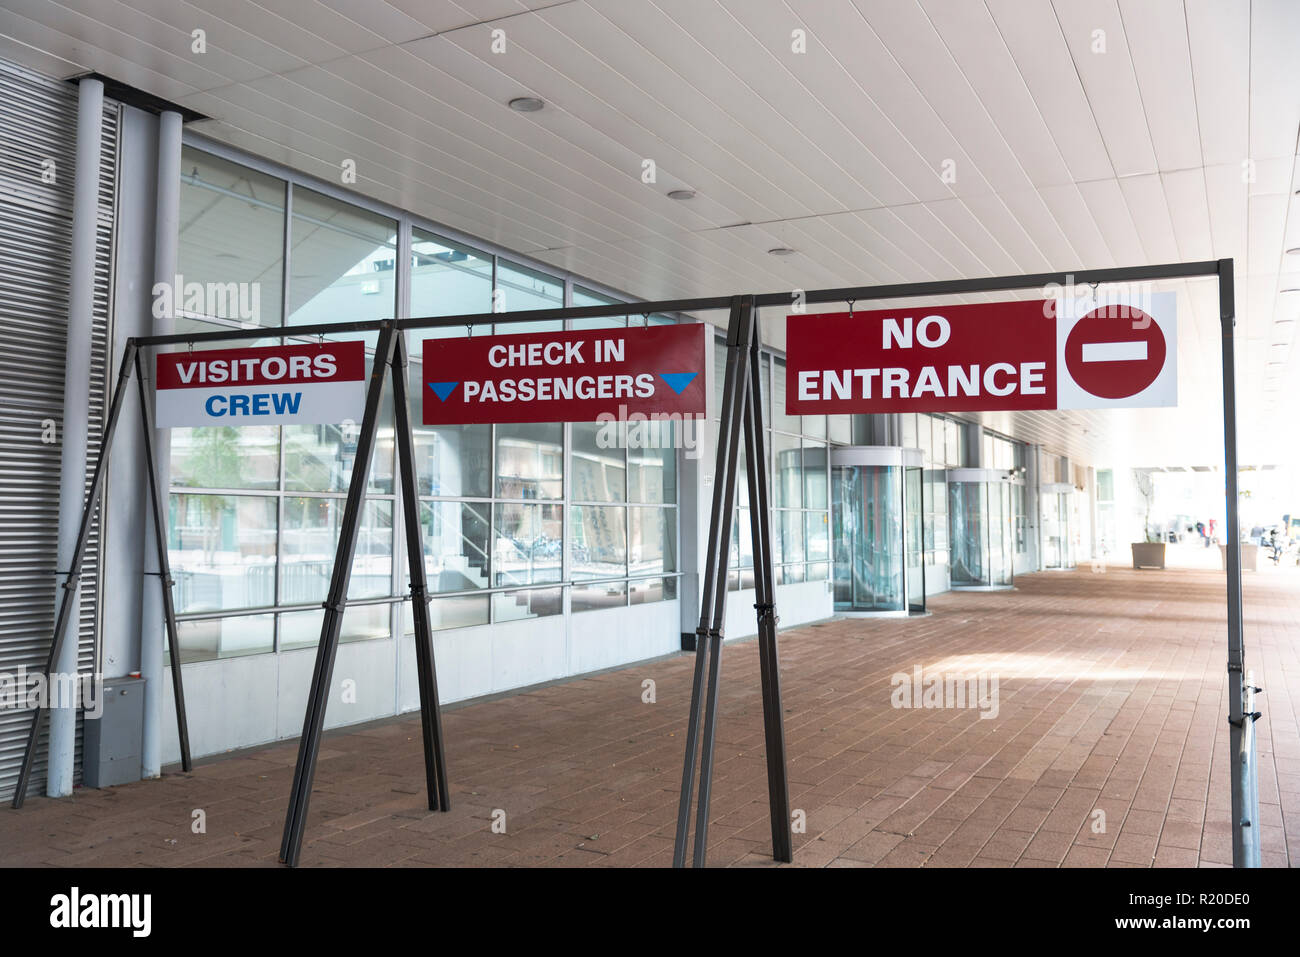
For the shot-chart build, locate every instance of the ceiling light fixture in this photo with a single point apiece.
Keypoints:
(781, 251)
(526, 104)
(681, 194)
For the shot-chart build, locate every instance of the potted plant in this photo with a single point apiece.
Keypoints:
(1151, 552)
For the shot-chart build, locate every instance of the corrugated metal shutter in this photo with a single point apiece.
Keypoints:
(38, 122)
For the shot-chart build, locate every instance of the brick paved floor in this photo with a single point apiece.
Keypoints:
(1110, 698)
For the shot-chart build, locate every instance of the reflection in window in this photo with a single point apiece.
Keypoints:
(221, 549)
(528, 603)
(301, 629)
(320, 458)
(652, 546)
(530, 460)
(230, 246)
(455, 537)
(342, 261)
(311, 534)
(599, 541)
(652, 463)
(528, 546)
(448, 280)
(787, 482)
(222, 456)
(519, 288)
(456, 611)
(586, 297)
(212, 638)
(599, 473)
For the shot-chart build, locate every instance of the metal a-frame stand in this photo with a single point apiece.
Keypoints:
(389, 354)
(741, 411)
(131, 359)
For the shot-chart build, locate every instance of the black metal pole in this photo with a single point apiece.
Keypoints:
(435, 761)
(1245, 830)
(314, 720)
(715, 564)
(74, 569)
(164, 564)
(760, 523)
(737, 382)
(949, 287)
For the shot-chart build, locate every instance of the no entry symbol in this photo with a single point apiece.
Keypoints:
(1115, 352)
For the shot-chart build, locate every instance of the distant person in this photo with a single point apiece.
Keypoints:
(1210, 537)
(1200, 531)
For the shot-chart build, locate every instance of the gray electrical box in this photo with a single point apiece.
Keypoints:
(112, 742)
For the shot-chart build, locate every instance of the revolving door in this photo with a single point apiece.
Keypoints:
(877, 517)
(983, 536)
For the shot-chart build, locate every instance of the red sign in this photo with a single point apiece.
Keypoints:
(565, 376)
(1114, 357)
(1067, 353)
(922, 359)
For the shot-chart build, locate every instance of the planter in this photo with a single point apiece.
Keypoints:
(1249, 557)
(1148, 554)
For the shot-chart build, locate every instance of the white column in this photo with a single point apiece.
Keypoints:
(152, 627)
(76, 400)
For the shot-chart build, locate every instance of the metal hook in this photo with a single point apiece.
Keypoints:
(191, 345)
(320, 340)
(851, 302)
(469, 330)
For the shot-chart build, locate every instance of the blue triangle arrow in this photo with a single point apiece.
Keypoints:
(677, 381)
(443, 389)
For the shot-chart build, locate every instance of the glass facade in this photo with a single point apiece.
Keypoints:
(799, 484)
(518, 521)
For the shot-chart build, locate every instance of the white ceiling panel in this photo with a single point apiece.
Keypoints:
(1178, 141)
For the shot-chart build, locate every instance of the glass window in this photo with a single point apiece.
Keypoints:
(342, 262)
(310, 539)
(840, 429)
(455, 538)
(652, 463)
(230, 245)
(791, 535)
(454, 460)
(447, 279)
(211, 638)
(526, 603)
(527, 546)
(598, 535)
(597, 596)
(519, 288)
(787, 423)
(320, 458)
(585, 297)
(530, 460)
(221, 549)
(222, 456)
(457, 611)
(787, 480)
(814, 475)
(817, 536)
(301, 629)
(599, 465)
(652, 546)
